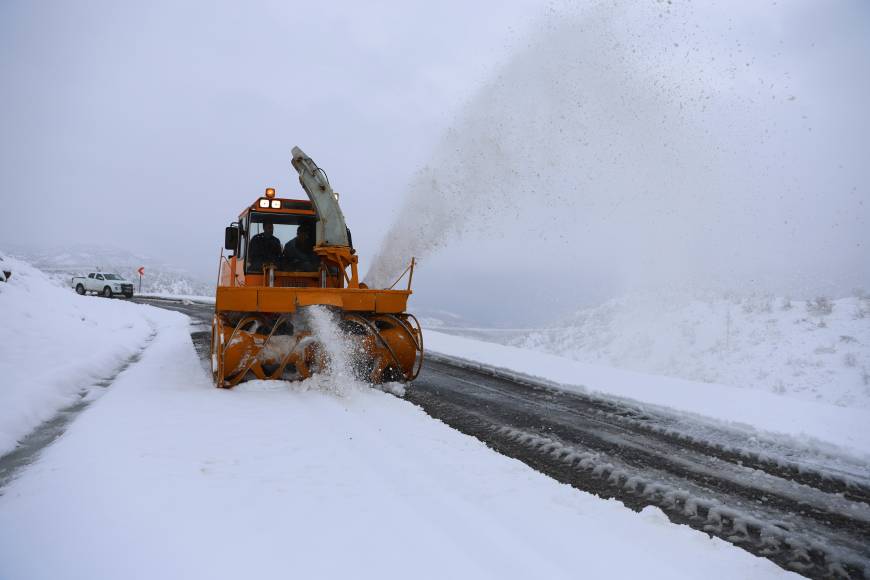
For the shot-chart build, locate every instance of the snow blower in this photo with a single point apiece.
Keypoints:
(287, 256)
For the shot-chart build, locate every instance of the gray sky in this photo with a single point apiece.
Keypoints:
(160, 121)
(537, 157)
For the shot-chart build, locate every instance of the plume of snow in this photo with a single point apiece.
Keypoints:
(650, 143)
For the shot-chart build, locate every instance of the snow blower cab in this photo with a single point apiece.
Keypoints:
(291, 266)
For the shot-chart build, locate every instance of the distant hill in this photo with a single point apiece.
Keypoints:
(63, 263)
(817, 350)
(452, 323)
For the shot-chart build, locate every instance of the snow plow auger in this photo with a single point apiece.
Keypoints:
(292, 256)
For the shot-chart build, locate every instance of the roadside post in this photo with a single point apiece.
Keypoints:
(141, 271)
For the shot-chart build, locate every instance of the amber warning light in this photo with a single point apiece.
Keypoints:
(269, 200)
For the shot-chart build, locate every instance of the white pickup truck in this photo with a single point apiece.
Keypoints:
(103, 283)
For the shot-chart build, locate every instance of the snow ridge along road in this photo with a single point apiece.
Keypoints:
(803, 509)
(30, 446)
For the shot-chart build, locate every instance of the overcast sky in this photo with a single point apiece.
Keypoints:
(150, 125)
(536, 156)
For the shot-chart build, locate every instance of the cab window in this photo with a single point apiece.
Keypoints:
(267, 240)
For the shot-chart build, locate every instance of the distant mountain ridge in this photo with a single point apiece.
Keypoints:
(61, 264)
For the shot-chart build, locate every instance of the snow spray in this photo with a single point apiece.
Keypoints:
(341, 356)
(338, 353)
(644, 139)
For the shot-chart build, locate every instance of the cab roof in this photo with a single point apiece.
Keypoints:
(281, 206)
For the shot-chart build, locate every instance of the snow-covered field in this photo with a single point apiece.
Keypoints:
(816, 350)
(166, 477)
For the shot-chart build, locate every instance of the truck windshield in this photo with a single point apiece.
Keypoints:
(287, 241)
(112, 277)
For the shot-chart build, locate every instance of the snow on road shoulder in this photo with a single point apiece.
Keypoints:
(55, 345)
(167, 477)
(184, 298)
(811, 422)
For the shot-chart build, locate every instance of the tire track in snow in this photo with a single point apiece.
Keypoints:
(795, 461)
(583, 441)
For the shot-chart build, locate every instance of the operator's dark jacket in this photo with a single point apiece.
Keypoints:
(264, 248)
(298, 259)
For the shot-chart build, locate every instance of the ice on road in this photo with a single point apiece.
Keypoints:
(167, 477)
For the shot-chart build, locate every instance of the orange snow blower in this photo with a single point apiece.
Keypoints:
(290, 256)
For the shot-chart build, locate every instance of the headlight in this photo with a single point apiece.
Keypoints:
(276, 204)
(264, 203)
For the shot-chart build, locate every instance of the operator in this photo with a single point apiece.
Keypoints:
(265, 248)
(299, 252)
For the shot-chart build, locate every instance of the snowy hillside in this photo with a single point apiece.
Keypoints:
(817, 350)
(63, 263)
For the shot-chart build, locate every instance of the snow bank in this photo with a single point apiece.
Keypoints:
(167, 477)
(816, 351)
(183, 297)
(809, 421)
(55, 345)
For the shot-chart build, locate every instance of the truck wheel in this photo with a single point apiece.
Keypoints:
(107, 292)
(80, 289)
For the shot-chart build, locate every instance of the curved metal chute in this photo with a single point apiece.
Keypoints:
(331, 226)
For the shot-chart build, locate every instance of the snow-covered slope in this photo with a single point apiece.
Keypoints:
(817, 350)
(75, 260)
(55, 346)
